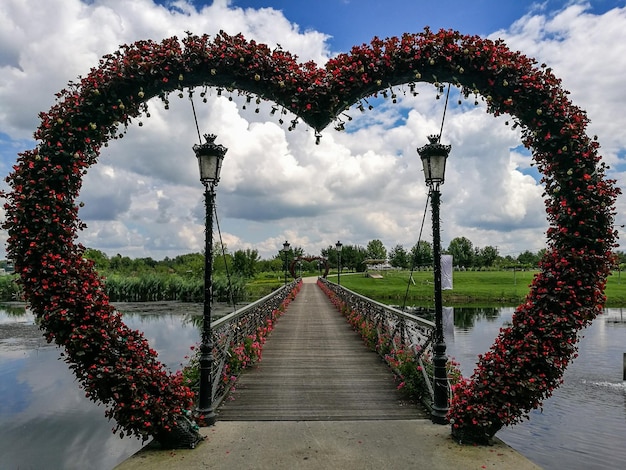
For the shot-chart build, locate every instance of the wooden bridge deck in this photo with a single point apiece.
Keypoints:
(316, 368)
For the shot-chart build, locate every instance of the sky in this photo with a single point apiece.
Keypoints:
(144, 198)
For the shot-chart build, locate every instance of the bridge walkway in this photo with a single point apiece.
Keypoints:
(315, 367)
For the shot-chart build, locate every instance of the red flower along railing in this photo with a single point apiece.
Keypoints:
(116, 365)
(403, 341)
(239, 337)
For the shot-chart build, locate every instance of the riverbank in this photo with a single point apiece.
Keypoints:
(505, 288)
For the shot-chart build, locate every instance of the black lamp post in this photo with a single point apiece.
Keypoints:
(286, 251)
(210, 156)
(338, 245)
(434, 156)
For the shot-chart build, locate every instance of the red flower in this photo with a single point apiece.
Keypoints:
(60, 287)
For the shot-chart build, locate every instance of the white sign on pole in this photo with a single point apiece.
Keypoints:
(446, 272)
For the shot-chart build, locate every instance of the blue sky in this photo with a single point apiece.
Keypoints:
(143, 198)
(352, 22)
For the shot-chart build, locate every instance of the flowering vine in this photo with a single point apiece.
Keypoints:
(117, 367)
(241, 355)
(411, 365)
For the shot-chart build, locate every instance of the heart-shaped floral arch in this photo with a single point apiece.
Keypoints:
(116, 366)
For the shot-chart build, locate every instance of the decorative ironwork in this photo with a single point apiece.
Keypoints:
(232, 330)
(404, 330)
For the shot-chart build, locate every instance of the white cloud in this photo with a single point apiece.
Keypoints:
(145, 198)
(587, 52)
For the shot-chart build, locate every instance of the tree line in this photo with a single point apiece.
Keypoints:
(247, 263)
(182, 277)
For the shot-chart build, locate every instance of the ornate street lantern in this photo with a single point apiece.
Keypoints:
(210, 156)
(434, 156)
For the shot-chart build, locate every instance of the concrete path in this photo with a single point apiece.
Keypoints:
(317, 445)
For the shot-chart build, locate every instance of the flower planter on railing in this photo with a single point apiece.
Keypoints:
(403, 340)
(239, 338)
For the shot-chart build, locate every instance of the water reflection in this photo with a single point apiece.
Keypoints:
(46, 422)
(465, 317)
(583, 424)
(45, 419)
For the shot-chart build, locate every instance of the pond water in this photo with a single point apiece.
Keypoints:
(47, 423)
(583, 425)
(45, 420)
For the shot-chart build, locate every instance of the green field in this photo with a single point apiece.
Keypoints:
(469, 287)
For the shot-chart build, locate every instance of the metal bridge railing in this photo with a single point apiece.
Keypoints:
(403, 340)
(240, 327)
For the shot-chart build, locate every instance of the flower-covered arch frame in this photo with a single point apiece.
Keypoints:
(116, 366)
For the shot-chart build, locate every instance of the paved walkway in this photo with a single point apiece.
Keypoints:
(323, 413)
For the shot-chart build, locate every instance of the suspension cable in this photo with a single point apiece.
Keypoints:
(230, 285)
(217, 221)
(443, 118)
(195, 117)
(419, 238)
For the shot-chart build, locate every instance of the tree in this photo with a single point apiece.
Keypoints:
(352, 257)
(99, 258)
(275, 264)
(486, 256)
(121, 264)
(191, 264)
(376, 250)
(422, 254)
(462, 251)
(332, 255)
(398, 257)
(528, 259)
(245, 262)
(222, 259)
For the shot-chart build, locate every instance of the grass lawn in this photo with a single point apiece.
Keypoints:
(479, 287)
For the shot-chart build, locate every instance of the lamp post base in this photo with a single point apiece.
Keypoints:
(439, 416)
(205, 417)
(441, 406)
